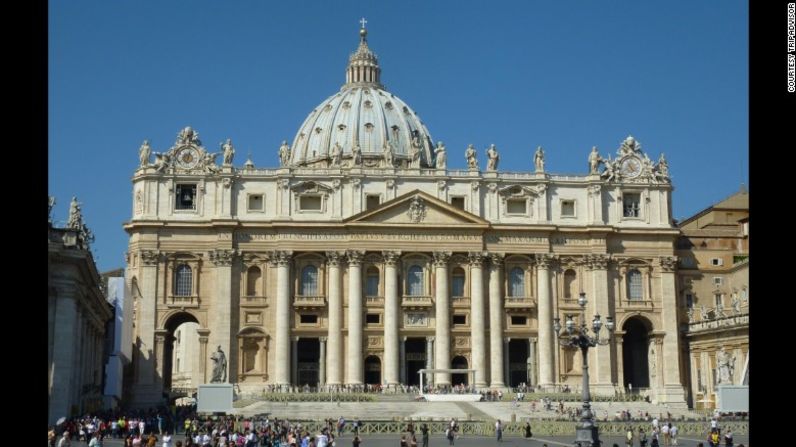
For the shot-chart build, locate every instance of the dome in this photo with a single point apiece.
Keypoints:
(365, 115)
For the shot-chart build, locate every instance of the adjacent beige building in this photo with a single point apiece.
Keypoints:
(76, 321)
(713, 280)
(362, 258)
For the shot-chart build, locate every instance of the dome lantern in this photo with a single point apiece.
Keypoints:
(363, 66)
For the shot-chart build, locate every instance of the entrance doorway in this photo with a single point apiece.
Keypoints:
(518, 362)
(181, 353)
(309, 355)
(635, 361)
(459, 362)
(372, 370)
(415, 349)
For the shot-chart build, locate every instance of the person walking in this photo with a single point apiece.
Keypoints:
(424, 432)
(449, 434)
(642, 438)
(629, 437)
(728, 438)
(673, 434)
(499, 431)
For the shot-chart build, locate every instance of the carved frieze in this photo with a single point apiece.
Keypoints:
(415, 319)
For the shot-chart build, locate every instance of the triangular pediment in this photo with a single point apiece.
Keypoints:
(417, 208)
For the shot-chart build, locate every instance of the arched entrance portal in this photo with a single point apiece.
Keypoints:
(635, 361)
(372, 370)
(181, 368)
(459, 362)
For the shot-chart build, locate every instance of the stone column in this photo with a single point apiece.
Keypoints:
(160, 344)
(620, 370)
(545, 313)
(672, 393)
(144, 392)
(64, 353)
(294, 361)
(355, 371)
(221, 308)
(335, 349)
(496, 317)
(429, 357)
(391, 363)
(442, 358)
(506, 367)
(534, 362)
(600, 370)
(402, 360)
(478, 329)
(322, 362)
(204, 336)
(281, 259)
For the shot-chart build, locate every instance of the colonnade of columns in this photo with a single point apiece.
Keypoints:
(438, 355)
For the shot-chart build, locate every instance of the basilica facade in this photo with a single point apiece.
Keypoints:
(362, 259)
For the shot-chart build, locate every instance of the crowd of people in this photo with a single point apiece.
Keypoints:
(666, 434)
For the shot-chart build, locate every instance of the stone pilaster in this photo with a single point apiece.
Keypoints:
(496, 317)
(600, 370)
(442, 359)
(294, 361)
(223, 331)
(335, 343)
(204, 337)
(355, 367)
(322, 362)
(506, 370)
(533, 362)
(477, 323)
(145, 391)
(429, 357)
(673, 393)
(64, 353)
(391, 361)
(546, 360)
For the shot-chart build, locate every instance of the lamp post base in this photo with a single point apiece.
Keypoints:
(587, 435)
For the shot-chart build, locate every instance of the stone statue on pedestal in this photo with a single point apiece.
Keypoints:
(494, 158)
(229, 152)
(337, 153)
(143, 153)
(75, 216)
(284, 154)
(219, 366)
(388, 157)
(538, 159)
(442, 157)
(469, 155)
(594, 161)
(726, 364)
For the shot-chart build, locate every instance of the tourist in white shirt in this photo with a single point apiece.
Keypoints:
(665, 432)
(673, 434)
(167, 440)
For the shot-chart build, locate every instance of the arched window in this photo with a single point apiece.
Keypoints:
(253, 281)
(634, 288)
(309, 281)
(517, 282)
(415, 280)
(183, 278)
(570, 277)
(457, 283)
(372, 282)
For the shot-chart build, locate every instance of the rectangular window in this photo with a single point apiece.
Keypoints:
(516, 206)
(309, 319)
(372, 201)
(517, 320)
(457, 202)
(699, 380)
(718, 299)
(459, 320)
(717, 281)
(567, 208)
(372, 285)
(689, 300)
(631, 204)
(716, 261)
(310, 203)
(186, 197)
(457, 286)
(372, 318)
(255, 202)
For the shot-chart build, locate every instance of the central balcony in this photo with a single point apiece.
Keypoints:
(253, 301)
(309, 302)
(374, 301)
(180, 302)
(460, 301)
(416, 302)
(520, 303)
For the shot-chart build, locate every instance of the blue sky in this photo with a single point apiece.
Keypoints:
(565, 75)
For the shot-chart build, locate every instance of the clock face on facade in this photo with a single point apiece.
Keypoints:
(631, 167)
(188, 158)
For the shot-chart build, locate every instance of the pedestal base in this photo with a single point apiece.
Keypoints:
(214, 398)
(587, 436)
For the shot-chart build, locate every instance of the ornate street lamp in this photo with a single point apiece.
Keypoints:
(587, 432)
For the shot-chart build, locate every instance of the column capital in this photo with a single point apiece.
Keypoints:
(496, 260)
(506, 339)
(391, 257)
(295, 338)
(477, 258)
(355, 257)
(404, 338)
(430, 338)
(532, 339)
(322, 339)
(280, 258)
(441, 258)
(668, 263)
(597, 262)
(160, 335)
(335, 258)
(222, 257)
(544, 260)
(150, 257)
